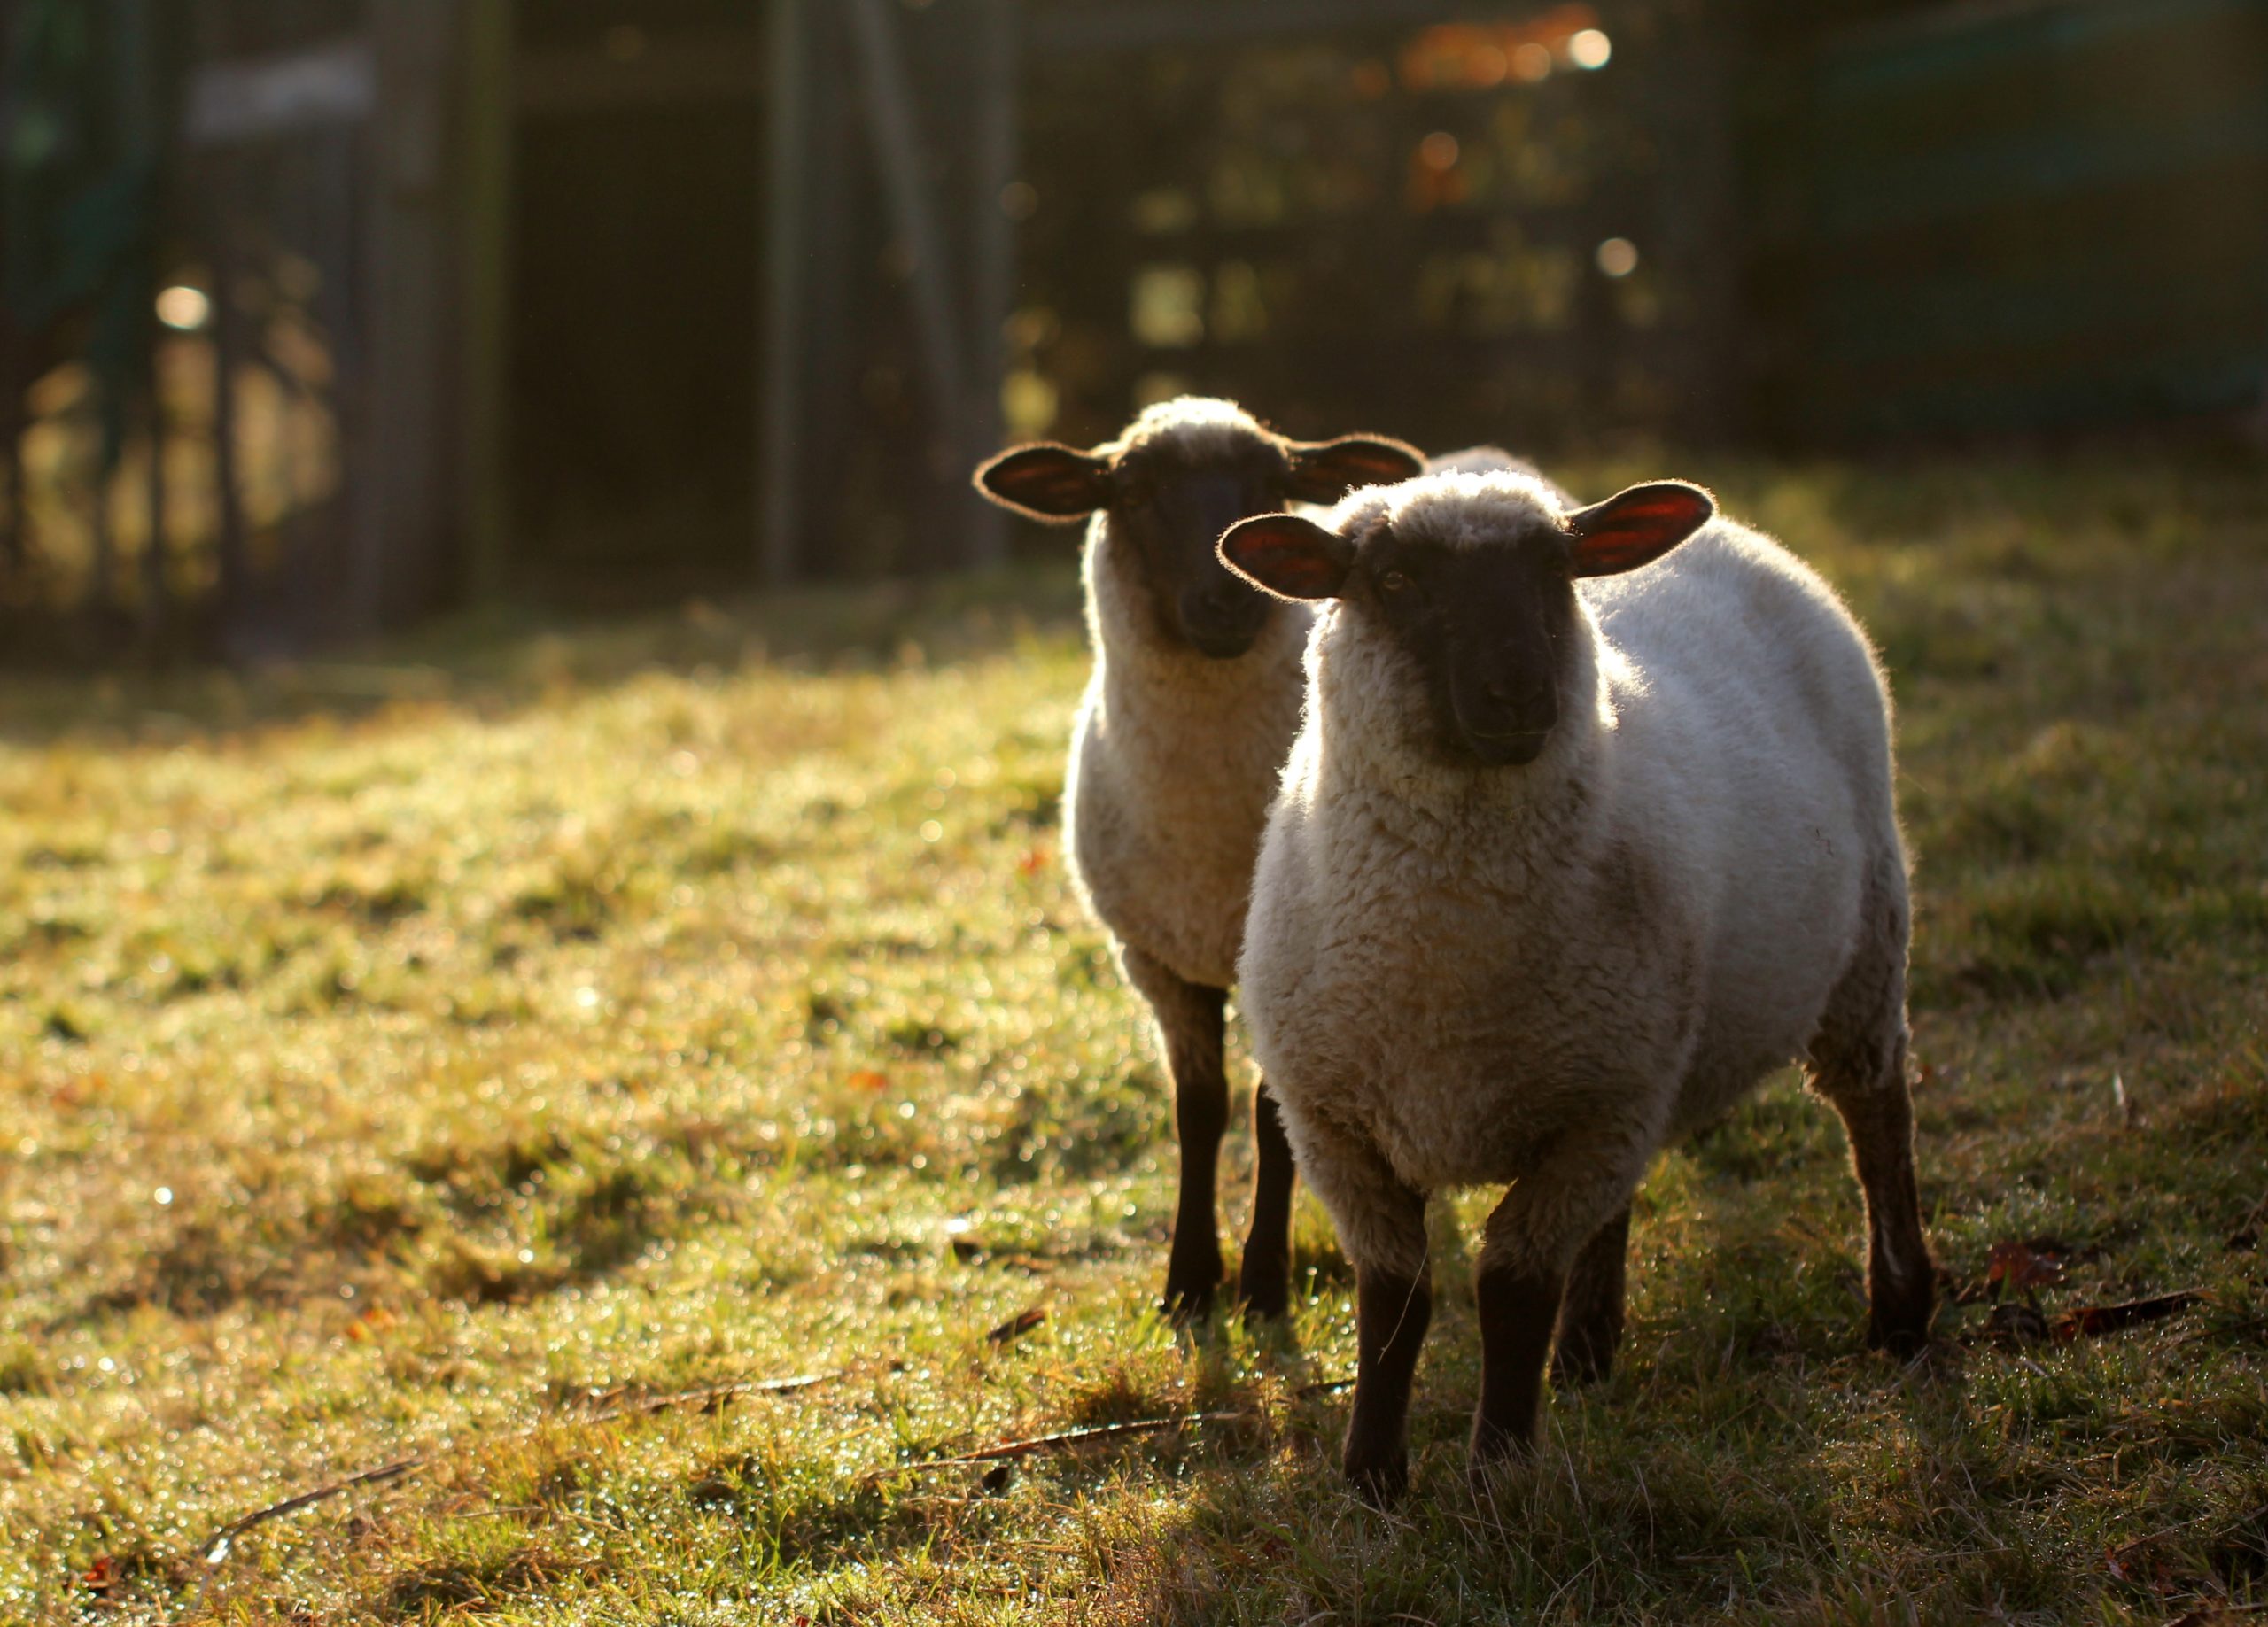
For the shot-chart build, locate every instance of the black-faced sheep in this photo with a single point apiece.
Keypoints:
(1565, 861)
(1193, 704)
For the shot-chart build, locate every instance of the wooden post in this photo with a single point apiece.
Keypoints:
(780, 420)
(898, 149)
(486, 205)
(228, 349)
(993, 261)
(155, 594)
(396, 529)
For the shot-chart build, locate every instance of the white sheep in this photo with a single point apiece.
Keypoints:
(1565, 861)
(1193, 704)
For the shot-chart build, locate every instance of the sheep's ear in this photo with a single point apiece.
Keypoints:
(1324, 471)
(1637, 527)
(1047, 482)
(1288, 556)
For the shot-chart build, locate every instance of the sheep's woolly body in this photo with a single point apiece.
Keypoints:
(1175, 757)
(1458, 975)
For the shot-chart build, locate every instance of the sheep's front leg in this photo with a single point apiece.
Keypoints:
(1264, 1278)
(1519, 1299)
(1192, 1025)
(1575, 1205)
(1381, 1222)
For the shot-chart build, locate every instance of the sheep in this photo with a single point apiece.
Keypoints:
(1574, 847)
(1191, 708)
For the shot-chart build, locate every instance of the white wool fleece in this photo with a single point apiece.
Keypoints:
(1174, 761)
(1457, 974)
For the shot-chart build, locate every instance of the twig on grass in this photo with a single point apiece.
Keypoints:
(216, 1547)
(1324, 1386)
(1021, 1324)
(708, 1397)
(2212, 1613)
(1066, 1438)
(2093, 1319)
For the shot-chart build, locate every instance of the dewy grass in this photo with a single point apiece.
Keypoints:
(400, 1056)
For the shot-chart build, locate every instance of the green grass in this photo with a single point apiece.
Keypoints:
(422, 1055)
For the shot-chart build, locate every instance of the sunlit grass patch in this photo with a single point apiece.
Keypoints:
(442, 1055)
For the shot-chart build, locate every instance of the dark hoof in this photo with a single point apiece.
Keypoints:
(1382, 1482)
(1490, 1448)
(1899, 1321)
(1266, 1296)
(1575, 1366)
(1903, 1343)
(1188, 1307)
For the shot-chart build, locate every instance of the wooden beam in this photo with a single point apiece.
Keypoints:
(1143, 25)
(780, 422)
(719, 66)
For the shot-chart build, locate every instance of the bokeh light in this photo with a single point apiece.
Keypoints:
(1618, 257)
(184, 308)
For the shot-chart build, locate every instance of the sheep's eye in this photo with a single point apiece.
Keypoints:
(1392, 581)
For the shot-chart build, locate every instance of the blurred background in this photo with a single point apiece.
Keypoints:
(318, 316)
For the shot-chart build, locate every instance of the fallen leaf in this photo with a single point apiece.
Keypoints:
(102, 1576)
(869, 1079)
(2087, 1320)
(2018, 1267)
(1033, 861)
(370, 1324)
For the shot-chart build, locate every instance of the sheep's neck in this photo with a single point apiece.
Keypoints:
(1140, 673)
(1432, 802)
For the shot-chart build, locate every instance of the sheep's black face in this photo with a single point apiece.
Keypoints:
(1170, 498)
(1172, 512)
(1486, 628)
(1473, 579)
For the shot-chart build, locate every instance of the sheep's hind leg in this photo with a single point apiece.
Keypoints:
(1191, 1024)
(1590, 1316)
(1264, 1277)
(1858, 1063)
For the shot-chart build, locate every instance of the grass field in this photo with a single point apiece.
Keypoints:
(443, 1056)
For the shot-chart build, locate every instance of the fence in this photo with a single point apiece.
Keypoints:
(319, 313)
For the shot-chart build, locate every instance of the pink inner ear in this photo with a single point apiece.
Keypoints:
(1626, 534)
(1299, 564)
